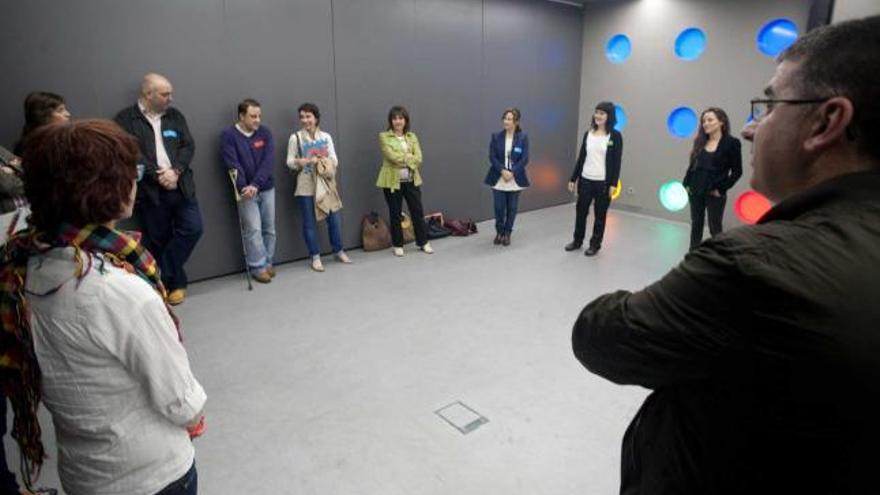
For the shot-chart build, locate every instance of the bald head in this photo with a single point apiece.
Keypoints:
(156, 92)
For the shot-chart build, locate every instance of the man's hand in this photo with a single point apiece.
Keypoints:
(248, 192)
(168, 178)
(571, 187)
(507, 175)
(715, 193)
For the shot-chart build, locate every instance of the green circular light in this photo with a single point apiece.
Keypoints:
(673, 196)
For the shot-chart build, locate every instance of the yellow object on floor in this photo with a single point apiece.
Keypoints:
(176, 296)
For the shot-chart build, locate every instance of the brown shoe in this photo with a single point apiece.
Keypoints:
(505, 240)
(271, 271)
(497, 240)
(176, 296)
(263, 276)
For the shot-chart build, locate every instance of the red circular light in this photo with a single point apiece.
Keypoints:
(751, 206)
(545, 176)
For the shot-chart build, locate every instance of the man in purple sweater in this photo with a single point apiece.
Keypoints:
(249, 151)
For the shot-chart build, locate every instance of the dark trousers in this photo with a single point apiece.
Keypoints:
(171, 230)
(188, 484)
(596, 192)
(7, 479)
(701, 204)
(506, 204)
(413, 196)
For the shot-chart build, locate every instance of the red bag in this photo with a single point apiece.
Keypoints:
(461, 228)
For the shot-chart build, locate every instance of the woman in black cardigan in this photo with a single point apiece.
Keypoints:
(595, 176)
(715, 166)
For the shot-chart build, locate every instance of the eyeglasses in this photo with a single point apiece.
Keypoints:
(762, 106)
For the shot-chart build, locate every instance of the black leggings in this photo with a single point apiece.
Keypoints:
(413, 196)
(591, 191)
(700, 205)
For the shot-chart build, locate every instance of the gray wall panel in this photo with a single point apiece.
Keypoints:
(854, 9)
(531, 63)
(448, 45)
(454, 63)
(375, 66)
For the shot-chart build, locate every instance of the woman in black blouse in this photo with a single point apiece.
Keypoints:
(715, 166)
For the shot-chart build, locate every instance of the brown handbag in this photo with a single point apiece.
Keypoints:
(406, 225)
(375, 235)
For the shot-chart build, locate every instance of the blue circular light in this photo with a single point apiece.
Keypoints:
(682, 122)
(618, 49)
(775, 36)
(690, 44)
(620, 117)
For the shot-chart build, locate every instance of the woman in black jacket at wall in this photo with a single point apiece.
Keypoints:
(595, 175)
(715, 166)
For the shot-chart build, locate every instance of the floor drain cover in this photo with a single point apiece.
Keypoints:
(461, 417)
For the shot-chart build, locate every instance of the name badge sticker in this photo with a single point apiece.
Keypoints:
(259, 143)
(169, 133)
(517, 149)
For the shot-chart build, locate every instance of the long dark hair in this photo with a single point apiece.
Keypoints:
(398, 111)
(608, 108)
(38, 109)
(702, 137)
(516, 116)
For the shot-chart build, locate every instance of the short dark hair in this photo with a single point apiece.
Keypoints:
(398, 111)
(79, 173)
(608, 108)
(247, 103)
(844, 60)
(38, 109)
(312, 109)
(516, 115)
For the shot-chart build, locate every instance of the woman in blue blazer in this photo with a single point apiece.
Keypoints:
(715, 166)
(508, 157)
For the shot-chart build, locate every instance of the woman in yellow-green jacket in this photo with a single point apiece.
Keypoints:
(400, 178)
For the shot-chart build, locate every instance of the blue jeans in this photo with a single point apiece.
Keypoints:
(506, 203)
(188, 484)
(257, 217)
(171, 230)
(309, 226)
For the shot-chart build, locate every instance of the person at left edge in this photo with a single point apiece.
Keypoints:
(248, 148)
(166, 204)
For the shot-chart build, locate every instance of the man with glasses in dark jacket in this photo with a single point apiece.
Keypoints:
(763, 346)
(166, 199)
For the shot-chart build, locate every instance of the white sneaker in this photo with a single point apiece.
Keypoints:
(342, 257)
(398, 251)
(427, 248)
(317, 265)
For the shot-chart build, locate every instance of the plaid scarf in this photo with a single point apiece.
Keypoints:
(19, 368)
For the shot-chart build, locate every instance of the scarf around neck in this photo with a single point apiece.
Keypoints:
(19, 368)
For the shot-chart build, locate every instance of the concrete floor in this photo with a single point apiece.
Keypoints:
(327, 383)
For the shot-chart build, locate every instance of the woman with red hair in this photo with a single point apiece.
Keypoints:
(85, 326)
